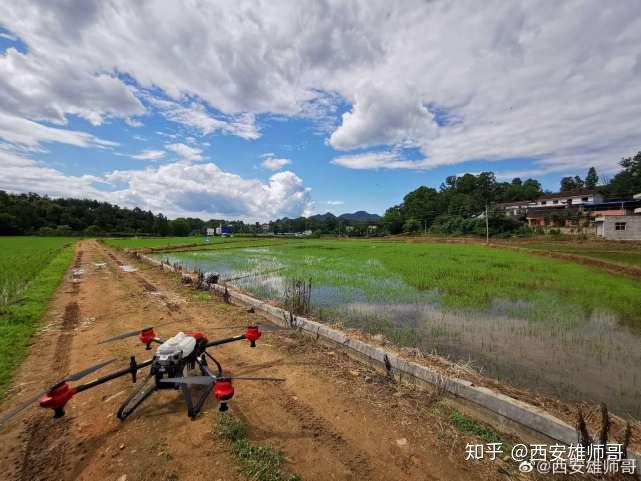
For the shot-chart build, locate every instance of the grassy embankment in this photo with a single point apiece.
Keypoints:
(31, 269)
(624, 253)
(198, 242)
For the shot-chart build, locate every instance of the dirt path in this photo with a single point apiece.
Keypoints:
(333, 418)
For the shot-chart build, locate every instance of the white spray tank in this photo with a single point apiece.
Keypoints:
(172, 346)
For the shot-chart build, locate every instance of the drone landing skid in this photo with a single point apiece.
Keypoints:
(136, 398)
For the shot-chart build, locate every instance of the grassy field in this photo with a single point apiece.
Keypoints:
(152, 242)
(541, 323)
(31, 269)
(625, 253)
(197, 241)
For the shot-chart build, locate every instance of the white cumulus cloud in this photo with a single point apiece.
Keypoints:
(207, 191)
(150, 154)
(379, 160)
(186, 152)
(274, 163)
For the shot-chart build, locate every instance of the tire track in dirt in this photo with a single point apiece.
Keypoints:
(45, 443)
(321, 429)
(150, 287)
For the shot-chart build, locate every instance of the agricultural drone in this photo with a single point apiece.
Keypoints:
(168, 369)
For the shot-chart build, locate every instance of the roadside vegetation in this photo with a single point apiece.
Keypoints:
(257, 461)
(31, 269)
(467, 425)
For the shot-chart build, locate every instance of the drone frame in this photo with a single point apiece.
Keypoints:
(59, 394)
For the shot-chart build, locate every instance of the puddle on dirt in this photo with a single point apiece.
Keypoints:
(595, 360)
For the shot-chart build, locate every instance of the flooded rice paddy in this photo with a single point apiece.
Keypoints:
(547, 341)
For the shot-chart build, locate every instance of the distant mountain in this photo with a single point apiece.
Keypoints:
(361, 216)
(321, 217)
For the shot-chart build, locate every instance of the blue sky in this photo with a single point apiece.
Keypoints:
(261, 110)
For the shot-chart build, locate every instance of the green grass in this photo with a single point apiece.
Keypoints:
(468, 425)
(152, 242)
(214, 243)
(620, 253)
(257, 462)
(31, 269)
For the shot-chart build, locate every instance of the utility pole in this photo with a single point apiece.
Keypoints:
(487, 224)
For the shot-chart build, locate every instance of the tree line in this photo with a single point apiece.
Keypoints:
(453, 208)
(32, 214)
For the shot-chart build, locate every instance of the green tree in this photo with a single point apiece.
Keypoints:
(568, 184)
(412, 226)
(530, 190)
(92, 231)
(628, 181)
(592, 179)
(393, 220)
(179, 227)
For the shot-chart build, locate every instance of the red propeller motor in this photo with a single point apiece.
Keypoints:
(147, 336)
(223, 391)
(252, 334)
(57, 398)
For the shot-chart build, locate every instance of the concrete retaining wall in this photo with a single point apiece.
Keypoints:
(503, 412)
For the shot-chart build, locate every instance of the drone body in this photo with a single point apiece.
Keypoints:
(168, 369)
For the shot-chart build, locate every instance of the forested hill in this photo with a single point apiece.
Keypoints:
(34, 214)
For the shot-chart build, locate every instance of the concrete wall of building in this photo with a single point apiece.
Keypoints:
(568, 200)
(632, 227)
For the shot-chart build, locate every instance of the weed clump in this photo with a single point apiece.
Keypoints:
(468, 425)
(257, 461)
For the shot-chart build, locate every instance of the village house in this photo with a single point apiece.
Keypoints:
(620, 222)
(581, 211)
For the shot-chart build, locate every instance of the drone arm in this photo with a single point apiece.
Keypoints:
(227, 340)
(132, 369)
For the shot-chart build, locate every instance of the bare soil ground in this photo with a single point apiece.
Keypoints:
(333, 418)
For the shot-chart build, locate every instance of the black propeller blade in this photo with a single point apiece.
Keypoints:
(209, 380)
(135, 333)
(250, 378)
(262, 327)
(72, 377)
(20, 407)
(85, 372)
(202, 380)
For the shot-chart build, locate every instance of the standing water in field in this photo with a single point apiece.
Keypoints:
(538, 338)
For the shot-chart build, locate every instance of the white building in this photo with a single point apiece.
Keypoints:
(574, 198)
